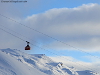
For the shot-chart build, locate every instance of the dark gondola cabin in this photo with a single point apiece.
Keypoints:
(27, 47)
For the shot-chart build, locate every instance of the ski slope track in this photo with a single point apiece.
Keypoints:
(15, 62)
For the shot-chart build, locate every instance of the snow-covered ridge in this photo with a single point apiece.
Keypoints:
(15, 62)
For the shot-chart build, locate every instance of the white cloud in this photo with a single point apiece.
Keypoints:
(93, 59)
(77, 26)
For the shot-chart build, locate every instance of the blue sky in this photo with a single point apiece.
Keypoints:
(40, 6)
(58, 19)
(45, 5)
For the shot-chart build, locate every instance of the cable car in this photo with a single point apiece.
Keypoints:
(27, 47)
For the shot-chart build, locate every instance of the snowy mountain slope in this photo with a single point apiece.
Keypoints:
(86, 72)
(11, 66)
(15, 62)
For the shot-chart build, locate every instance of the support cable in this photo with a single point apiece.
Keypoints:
(45, 49)
(49, 36)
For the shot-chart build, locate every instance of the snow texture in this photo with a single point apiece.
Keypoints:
(15, 62)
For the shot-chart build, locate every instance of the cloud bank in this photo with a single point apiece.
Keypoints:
(78, 27)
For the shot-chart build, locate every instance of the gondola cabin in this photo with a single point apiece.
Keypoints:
(27, 47)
